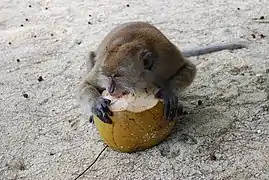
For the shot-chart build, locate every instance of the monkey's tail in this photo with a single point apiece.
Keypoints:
(213, 48)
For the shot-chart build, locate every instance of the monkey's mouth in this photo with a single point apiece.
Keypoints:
(119, 94)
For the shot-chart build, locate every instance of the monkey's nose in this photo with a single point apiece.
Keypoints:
(111, 88)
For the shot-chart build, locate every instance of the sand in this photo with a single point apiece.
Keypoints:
(45, 136)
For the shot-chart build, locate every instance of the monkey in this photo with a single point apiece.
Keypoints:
(137, 55)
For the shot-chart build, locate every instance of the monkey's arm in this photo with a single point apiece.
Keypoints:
(213, 48)
(87, 95)
(90, 100)
(175, 85)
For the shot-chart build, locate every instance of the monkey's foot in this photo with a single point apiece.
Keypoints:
(172, 107)
(102, 111)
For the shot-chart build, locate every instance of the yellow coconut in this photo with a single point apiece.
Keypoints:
(137, 122)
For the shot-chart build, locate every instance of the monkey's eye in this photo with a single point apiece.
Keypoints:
(116, 75)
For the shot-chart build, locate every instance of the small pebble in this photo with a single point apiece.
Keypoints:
(265, 108)
(253, 35)
(244, 67)
(34, 36)
(18, 60)
(90, 15)
(213, 157)
(51, 153)
(128, 5)
(51, 34)
(9, 43)
(238, 8)
(259, 131)
(77, 41)
(46, 8)
(30, 6)
(21, 25)
(40, 78)
(235, 71)
(25, 95)
(89, 22)
(262, 17)
(262, 36)
(200, 102)
(260, 78)
(26, 19)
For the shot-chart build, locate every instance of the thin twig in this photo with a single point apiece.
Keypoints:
(91, 163)
(261, 21)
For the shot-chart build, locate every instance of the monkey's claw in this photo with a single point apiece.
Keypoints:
(91, 120)
(172, 106)
(102, 111)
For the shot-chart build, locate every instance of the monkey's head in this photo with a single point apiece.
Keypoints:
(128, 67)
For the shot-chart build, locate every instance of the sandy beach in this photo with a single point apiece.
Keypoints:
(45, 136)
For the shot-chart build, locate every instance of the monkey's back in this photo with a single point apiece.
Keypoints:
(165, 50)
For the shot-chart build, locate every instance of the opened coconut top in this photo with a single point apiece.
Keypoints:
(139, 102)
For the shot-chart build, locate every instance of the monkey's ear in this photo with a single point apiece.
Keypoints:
(148, 59)
(90, 61)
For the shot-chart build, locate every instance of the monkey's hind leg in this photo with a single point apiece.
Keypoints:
(183, 77)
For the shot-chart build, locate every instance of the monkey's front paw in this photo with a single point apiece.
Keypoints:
(102, 111)
(172, 106)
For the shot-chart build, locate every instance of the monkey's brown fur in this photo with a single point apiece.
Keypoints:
(135, 55)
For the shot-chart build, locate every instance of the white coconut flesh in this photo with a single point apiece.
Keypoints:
(139, 102)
